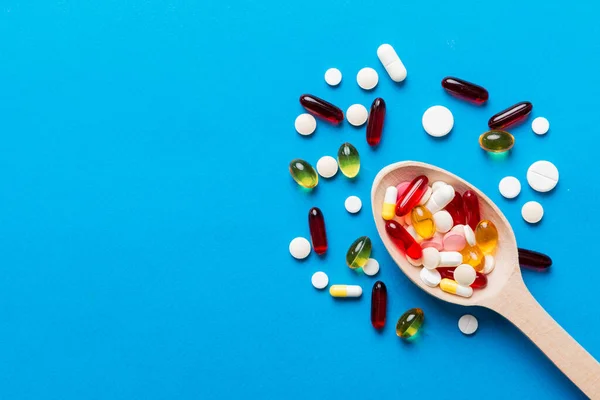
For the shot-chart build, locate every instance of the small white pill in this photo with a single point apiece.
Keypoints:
(416, 263)
(468, 324)
(353, 204)
(437, 184)
(470, 235)
(443, 221)
(431, 258)
(391, 62)
(542, 176)
(305, 124)
(510, 187)
(430, 277)
(299, 248)
(540, 126)
(357, 114)
(438, 121)
(327, 166)
(450, 258)
(367, 78)
(489, 264)
(320, 280)
(425, 197)
(440, 198)
(414, 234)
(371, 268)
(532, 212)
(465, 275)
(333, 76)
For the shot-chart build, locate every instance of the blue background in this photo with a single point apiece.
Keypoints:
(146, 207)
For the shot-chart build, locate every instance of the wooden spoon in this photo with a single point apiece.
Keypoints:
(506, 292)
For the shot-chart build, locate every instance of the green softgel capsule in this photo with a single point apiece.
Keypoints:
(409, 323)
(359, 252)
(303, 173)
(349, 160)
(496, 141)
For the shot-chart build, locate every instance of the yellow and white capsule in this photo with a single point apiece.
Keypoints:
(388, 211)
(345, 291)
(450, 286)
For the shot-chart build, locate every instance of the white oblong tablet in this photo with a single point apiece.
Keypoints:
(305, 124)
(320, 280)
(357, 114)
(470, 235)
(327, 166)
(431, 258)
(430, 277)
(353, 204)
(333, 76)
(509, 187)
(542, 176)
(540, 126)
(391, 62)
(438, 121)
(299, 248)
(367, 78)
(465, 275)
(443, 221)
(371, 268)
(532, 212)
(468, 324)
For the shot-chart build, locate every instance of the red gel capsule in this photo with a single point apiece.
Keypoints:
(456, 209)
(403, 240)
(471, 207)
(511, 116)
(412, 195)
(318, 235)
(375, 122)
(378, 305)
(322, 108)
(533, 259)
(465, 90)
(480, 279)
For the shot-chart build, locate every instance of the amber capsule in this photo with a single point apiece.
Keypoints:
(471, 207)
(448, 273)
(359, 252)
(422, 221)
(378, 305)
(473, 256)
(456, 209)
(496, 141)
(318, 235)
(375, 122)
(511, 116)
(534, 259)
(303, 173)
(411, 195)
(486, 236)
(403, 240)
(322, 108)
(409, 323)
(465, 90)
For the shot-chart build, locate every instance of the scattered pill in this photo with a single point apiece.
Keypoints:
(542, 176)
(510, 187)
(299, 248)
(371, 268)
(496, 141)
(443, 221)
(480, 281)
(430, 277)
(440, 198)
(391, 62)
(327, 166)
(320, 280)
(359, 252)
(409, 323)
(534, 259)
(403, 240)
(540, 126)
(333, 76)
(489, 264)
(450, 258)
(456, 209)
(375, 122)
(511, 116)
(532, 212)
(378, 305)
(468, 324)
(437, 121)
(388, 210)
(455, 239)
(431, 258)
(322, 109)
(437, 184)
(465, 90)
(450, 286)
(471, 209)
(345, 291)
(318, 235)
(464, 275)
(305, 124)
(401, 188)
(486, 236)
(357, 114)
(353, 204)
(348, 160)
(411, 196)
(367, 78)
(473, 256)
(303, 173)
(422, 221)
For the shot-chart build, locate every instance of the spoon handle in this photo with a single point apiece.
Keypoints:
(516, 304)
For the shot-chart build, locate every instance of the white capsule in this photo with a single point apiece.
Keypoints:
(489, 265)
(440, 198)
(470, 235)
(465, 275)
(392, 63)
(414, 234)
(345, 291)
(443, 221)
(450, 258)
(438, 184)
(430, 277)
(426, 196)
(431, 258)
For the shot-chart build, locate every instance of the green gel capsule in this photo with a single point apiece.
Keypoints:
(496, 141)
(359, 252)
(349, 160)
(409, 323)
(303, 173)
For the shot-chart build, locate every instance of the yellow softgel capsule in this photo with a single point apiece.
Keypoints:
(422, 221)
(388, 210)
(473, 256)
(486, 236)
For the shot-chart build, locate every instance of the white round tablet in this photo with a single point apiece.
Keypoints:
(540, 126)
(353, 204)
(510, 187)
(430, 277)
(371, 268)
(443, 221)
(327, 166)
(333, 76)
(431, 258)
(465, 275)
(357, 114)
(367, 78)
(542, 176)
(438, 121)
(320, 280)
(468, 324)
(532, 212)
(299, 248)
(305, 124)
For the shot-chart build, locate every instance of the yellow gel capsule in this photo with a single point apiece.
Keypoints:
(473, 256)
(409, 323)
(422, 221)
(486, 236)
(388, 211)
